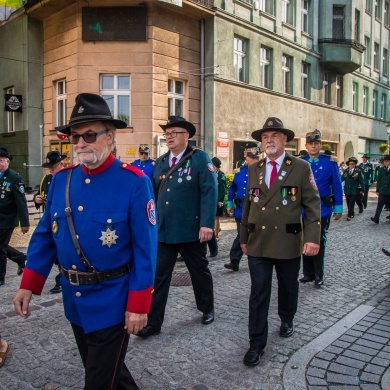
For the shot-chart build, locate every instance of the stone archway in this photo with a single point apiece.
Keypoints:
(348, 150)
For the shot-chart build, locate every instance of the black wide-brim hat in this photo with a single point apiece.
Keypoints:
(365, 155)
(90, 107)
(386, 157)
(52, 158)
(274, 124)
(5, 153)
(352, 159)
(178, 121)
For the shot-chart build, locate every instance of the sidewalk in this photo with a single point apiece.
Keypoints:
(341, 338)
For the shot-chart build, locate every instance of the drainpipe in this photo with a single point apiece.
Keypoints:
(202, 82)
(41, 151)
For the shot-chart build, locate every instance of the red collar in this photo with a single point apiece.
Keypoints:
(101, 168)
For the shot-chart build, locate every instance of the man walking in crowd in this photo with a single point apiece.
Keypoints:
(353, 183)
(13, 209)
(280, 188)
(54, 162)
(144, 163)
(100, 223)
(236, 197)
(383, 189)
(327, 178)
(221, 184)
(242, 162)
(368, 177)
(186, 195)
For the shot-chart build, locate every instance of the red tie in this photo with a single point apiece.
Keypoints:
(173, 162)
(274, 173)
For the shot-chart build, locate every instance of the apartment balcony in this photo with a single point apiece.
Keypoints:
(341, 55)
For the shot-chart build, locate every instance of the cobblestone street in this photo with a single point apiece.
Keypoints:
(341, 337)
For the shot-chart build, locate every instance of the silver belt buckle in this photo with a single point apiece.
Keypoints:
(71, 281)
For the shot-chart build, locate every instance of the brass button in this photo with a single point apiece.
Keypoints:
(276, 227)
(80, 208)
(263, 227)
(124, 165)
(109, 220)
(263, 208)
(74, 266)
(168, 189)
(166, 202)
(78, 294)
(170, 177)
(276, 208)
(87, 180)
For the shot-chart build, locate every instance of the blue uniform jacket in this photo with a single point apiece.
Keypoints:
(145, 166)
(327, 177)
(188, 199)
(237, 191)
(115, 196)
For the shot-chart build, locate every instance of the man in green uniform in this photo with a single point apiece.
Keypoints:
(242, 162)
(368, 175)
(13, 208)
(382, 188)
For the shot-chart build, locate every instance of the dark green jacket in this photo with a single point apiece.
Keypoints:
(13, 204)
(368, 172)
(383, 182)
(188, 199)
(352, 182)
(221, 182)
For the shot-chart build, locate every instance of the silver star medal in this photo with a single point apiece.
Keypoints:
(108, 237)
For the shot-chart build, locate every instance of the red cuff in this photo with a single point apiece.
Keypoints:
(32, 281)
(139, 301)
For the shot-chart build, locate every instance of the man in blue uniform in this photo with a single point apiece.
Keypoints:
(242, 162)
(368, 175)
(13, 210)
(144, 163)
(327, 177)
(100, 222)
(186, 194)
(236, 196)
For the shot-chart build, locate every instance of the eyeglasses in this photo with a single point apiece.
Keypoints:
(143, 152)
(173, 134)
(88, 137)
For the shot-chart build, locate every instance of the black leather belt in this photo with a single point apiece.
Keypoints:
(76, 278)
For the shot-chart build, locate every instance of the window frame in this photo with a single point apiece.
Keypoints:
(305, 80)
(287, 63)
(267, 6)
(305, 17)
(175, 97)
(61, 102)
(10, 115)
(367, 52)
(374, 105)
(339, 91)
(385, 61)
(326, 85)
(288, 12)
(266, 67)
(239, 56)
(383, 106)
(355, 95)
(376, 57)
(365, 100)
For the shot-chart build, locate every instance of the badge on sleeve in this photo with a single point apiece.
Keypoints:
(312, 181)
(210, 167)
(151, 211)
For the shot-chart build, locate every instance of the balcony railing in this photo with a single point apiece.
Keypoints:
(204, 3)
(338, 41)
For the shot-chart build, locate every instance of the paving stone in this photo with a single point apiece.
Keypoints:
(350, 362)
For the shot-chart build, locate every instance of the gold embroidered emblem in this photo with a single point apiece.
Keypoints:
(81, 109)
(108, 237)
(54, 227)
(288, 162)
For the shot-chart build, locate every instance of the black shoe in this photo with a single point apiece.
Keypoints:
(214, 254)
(232, 266)
(2, 282)
(374, 220)
(386, 252)
(319, 281)
(21, 266)
(149, 330)
(388, 217)
(252, 357)
(56, 290)
(348, 218)
(286, 329)
(306, 279)
(207, 318)
(360, 211)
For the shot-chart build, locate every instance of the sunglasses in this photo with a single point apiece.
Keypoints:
(143, 152)
(89, 137)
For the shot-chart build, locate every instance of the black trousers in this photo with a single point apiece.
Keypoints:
(103, 354)
(213, 245)
(16, 255)
(365, 195)
(236, 252)
(314, 265)
(351, 200)
(383, 200)
(194, 255)
(261, 269)
(5, 237)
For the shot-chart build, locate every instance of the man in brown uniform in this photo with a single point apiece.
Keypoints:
(280, 188)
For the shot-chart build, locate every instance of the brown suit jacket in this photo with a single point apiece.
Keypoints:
(272, 224)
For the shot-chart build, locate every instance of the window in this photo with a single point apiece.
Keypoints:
(288, 11)
(385, 62)
(367, 52)
(326, 88)
(374, 103)
(10, 115)
(176, 97)
(287, 77)
(305, 15)
(376, 56)
(61, 102)
(383, 106)
(365, 100)
(239, 59)
(357, 26)
(339, 91)
(369, 6)
(265, 67)
(378, 9)
(354, 97)
(115, 90)
(338, 30)
(305, 69)
(267, 6)
(386, 16)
